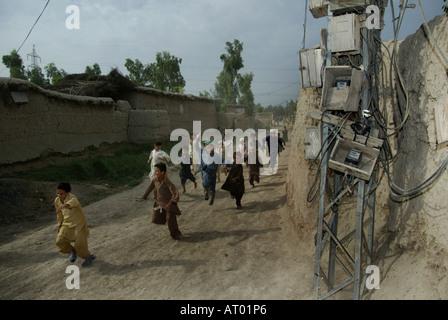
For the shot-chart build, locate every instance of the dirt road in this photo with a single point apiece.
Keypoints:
(225, 253)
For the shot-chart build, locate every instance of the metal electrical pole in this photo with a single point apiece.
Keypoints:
(353, 250)
(34, 58)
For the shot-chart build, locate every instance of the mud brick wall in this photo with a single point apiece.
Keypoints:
(54, 122)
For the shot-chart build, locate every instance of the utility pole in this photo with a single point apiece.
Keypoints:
(34, 58)
(350, 147)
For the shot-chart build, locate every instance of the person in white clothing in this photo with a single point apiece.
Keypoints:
(157, 156)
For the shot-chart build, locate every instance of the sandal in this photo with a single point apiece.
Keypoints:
(89, 261)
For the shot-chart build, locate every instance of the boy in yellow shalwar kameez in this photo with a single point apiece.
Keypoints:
(72, 225)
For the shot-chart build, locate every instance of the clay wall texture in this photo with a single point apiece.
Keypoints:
(35, 122)
(55, 122)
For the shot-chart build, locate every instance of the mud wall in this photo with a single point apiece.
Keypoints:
(36, 122)
(148, 125)
(232, 120)
(55, 122)
(303, 214)
(420, 222)
(182, 109)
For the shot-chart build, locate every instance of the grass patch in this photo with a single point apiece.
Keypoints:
(126, 167)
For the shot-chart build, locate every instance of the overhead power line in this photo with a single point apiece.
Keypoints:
(33, 26)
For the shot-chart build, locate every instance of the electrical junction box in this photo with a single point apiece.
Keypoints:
(311, 65)
(344, 6)
(345, 33)
(19, 97)
(341, 88)
(365, 159)
(319, 8)
(312, 142)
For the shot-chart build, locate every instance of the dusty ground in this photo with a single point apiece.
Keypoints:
(225, 253)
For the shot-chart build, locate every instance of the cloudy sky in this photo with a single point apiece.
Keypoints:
(196, 31)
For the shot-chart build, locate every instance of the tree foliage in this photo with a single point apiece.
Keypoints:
(231, 86)
(14, 63)
(279, 110)
(164, 74)
(54, 75)
(137, 72)
(93, 70)
(246, 96)
(35, 75)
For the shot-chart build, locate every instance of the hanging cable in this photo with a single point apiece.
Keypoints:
(33, 26)
(331, 136)
(304, 25)
(400, 195)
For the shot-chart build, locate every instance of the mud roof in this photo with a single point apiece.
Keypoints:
(112, 85)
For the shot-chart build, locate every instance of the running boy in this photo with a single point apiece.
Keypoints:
(72, 225)
(235, 180)
(157, 156)
(166, 198)
(185, 169)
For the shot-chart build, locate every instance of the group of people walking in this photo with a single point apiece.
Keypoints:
(72, 225)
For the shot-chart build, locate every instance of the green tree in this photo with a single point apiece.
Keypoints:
(246, 96)
(14, 62)
(445, 7)
(280, 111)
(54, 75)
(137, 72)
(230, 86)
(259, 108)
(164, 74)
(206, 94)
(93, 70)
(226, 86)
(291, 107)
(36, 76)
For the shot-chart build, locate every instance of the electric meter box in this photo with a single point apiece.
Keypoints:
(345, 33)
(361, 159)
(319, 8)
(313, 142)
(311, 65)
(344, 6)
(341, 88)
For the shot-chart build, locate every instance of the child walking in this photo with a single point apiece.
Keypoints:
(72, 225)
(235, 180)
